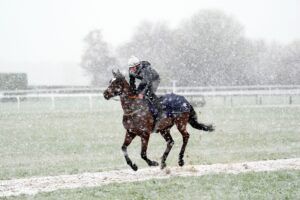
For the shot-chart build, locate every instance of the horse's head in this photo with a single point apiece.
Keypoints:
(116, 85)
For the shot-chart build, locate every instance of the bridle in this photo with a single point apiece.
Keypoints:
(133, 97)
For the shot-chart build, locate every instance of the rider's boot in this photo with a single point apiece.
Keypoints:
(158, 106)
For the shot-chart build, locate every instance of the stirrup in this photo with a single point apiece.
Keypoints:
(155, 129)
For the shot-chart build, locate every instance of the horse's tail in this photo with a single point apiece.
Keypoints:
(195, 124)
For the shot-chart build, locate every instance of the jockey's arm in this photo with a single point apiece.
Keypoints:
(142, 87)
(145, 82)
(132, 82)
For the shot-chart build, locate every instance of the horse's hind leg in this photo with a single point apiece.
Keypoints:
(181, 123)
(145, 140)
(170, 142)
(128, 139)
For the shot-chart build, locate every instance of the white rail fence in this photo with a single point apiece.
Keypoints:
(259, 92)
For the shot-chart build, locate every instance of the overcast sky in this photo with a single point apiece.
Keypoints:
(44, 38)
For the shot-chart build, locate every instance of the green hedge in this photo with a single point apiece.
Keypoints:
(13, 81)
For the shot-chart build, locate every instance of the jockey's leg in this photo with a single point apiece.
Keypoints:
(159, 116)
(155, 101)
(155, 85)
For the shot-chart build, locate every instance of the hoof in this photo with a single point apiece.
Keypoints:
(211, 128)
(163, 165)
(181, 163)
(154, 163)
(134, 167)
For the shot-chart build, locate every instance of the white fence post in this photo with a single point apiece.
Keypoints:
(53, 102)
(174, 86)
(18, 102)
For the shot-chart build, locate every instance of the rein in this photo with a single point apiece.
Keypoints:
(133, 97)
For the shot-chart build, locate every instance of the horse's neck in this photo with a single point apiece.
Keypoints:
(127, 89)
(130, 104)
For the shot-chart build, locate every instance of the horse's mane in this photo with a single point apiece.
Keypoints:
(119, 76)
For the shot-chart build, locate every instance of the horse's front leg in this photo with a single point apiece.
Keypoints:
(144, 140)
(128, 139)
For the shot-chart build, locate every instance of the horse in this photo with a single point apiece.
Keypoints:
(139, 121)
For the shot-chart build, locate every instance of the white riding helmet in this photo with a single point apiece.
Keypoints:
(133, 61)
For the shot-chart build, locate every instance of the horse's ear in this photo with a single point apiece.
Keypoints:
(114, 73)
(119, 74)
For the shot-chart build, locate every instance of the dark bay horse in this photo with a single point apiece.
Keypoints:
(138, 121)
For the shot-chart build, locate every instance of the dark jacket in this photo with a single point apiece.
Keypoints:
(146, 74)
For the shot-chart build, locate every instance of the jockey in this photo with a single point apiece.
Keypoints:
(149, 77)
(150, 80)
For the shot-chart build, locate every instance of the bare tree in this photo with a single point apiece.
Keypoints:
(97, 60)
(211, 50)
(208, 49)
(290, 64)
(152, 42)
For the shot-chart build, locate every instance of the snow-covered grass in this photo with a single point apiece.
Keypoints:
(40, 142)
(34, 185)
(259, 185)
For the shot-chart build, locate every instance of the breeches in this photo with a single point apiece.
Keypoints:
(152, 89)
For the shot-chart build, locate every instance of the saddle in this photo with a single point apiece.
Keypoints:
(171, 105)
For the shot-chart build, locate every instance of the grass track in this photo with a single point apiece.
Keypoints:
(38, 143)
